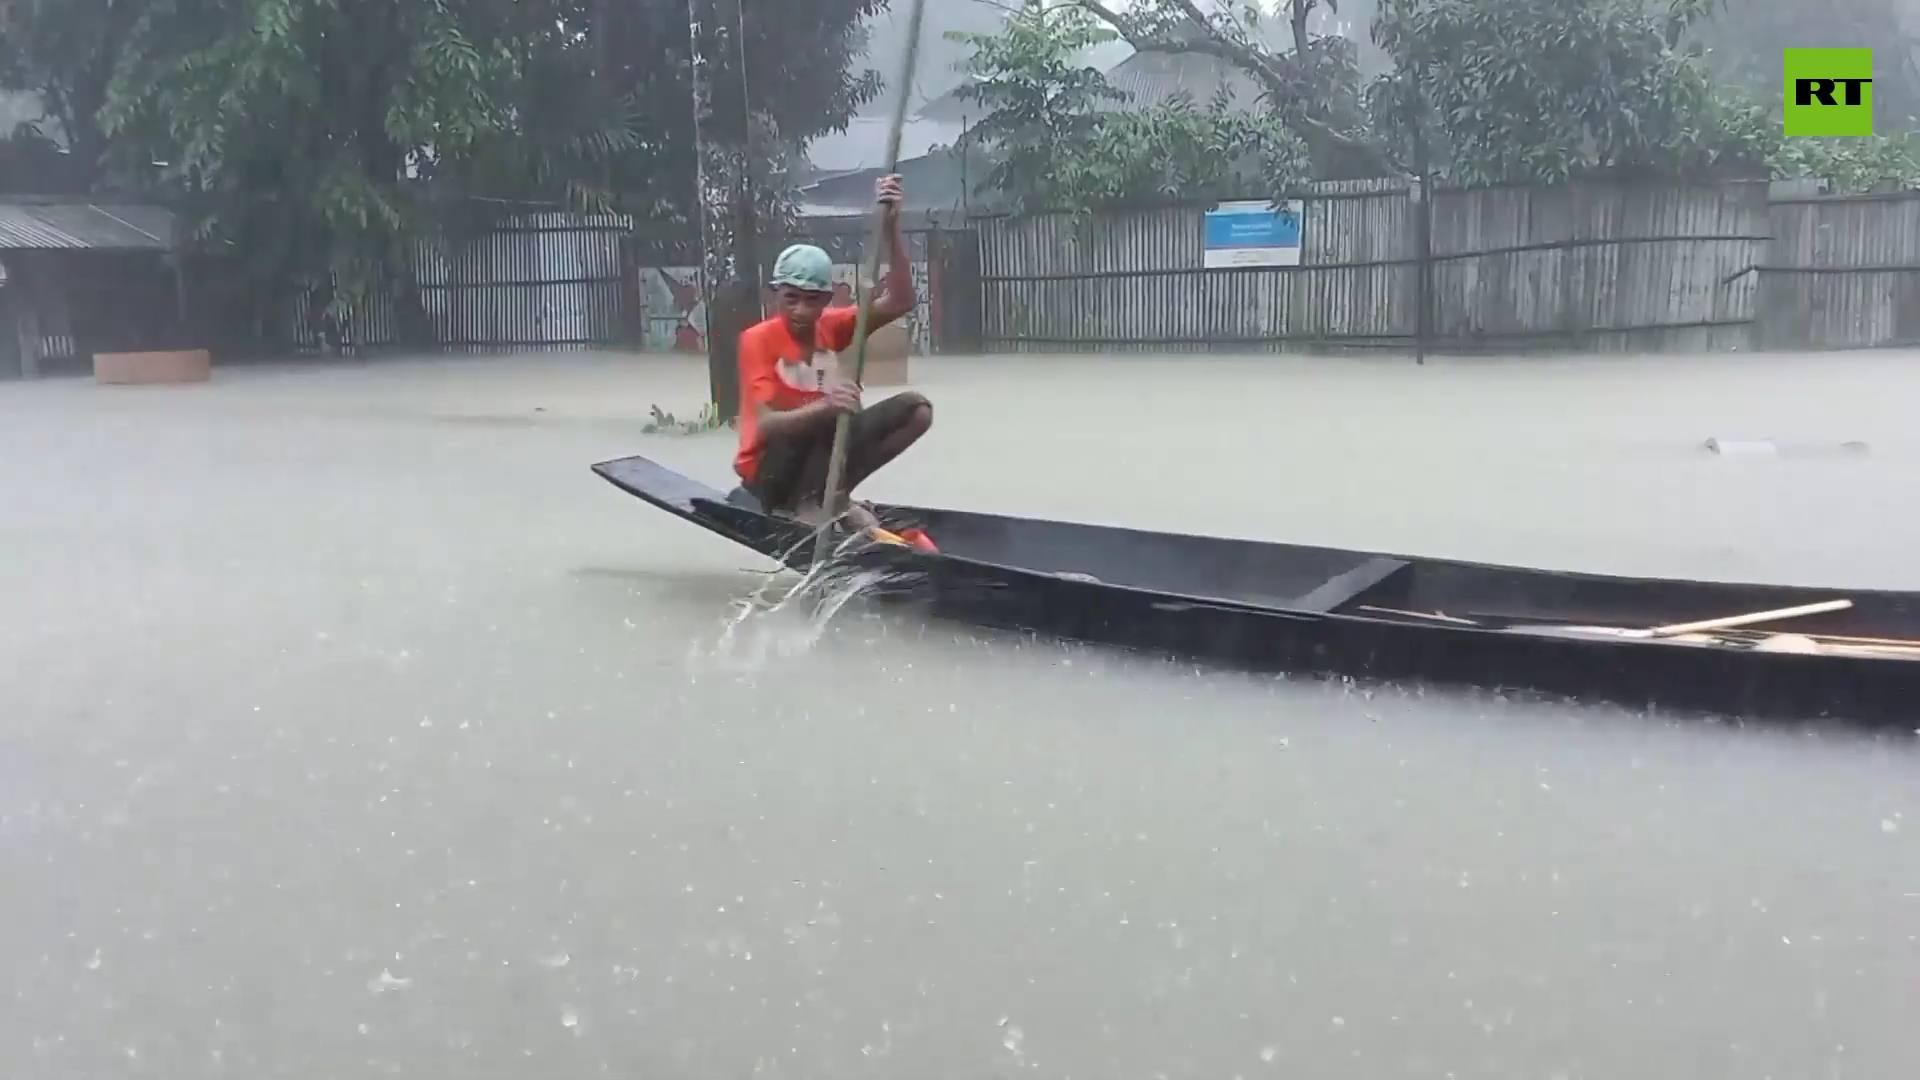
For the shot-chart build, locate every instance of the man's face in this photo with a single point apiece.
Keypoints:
(801, 307)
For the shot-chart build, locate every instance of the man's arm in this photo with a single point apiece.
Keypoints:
(894, 298)
(776, 424)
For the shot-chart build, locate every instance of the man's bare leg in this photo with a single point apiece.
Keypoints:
(916, 416)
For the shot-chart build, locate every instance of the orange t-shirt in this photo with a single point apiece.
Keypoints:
(773, 372)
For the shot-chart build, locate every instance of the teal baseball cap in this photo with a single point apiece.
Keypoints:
(804, 266)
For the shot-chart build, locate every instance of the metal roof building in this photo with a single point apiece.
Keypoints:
(35, 225)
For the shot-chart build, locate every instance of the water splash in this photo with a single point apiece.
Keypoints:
(1013, 1040)
(784, 618)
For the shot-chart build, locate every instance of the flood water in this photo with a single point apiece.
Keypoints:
(350, 727)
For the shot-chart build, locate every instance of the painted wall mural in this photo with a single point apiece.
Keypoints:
(670, 305)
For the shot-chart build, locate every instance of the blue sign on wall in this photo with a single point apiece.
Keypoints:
(1253, 234)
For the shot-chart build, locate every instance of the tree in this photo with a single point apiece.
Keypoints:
(803, 77)
(316, 139)
(1062, 137)
(1035, 99)
(63, 53)
(1548, 90)
(1741, 44)
(1539, 89)
(1742, 40)
(1314, 90)
(297, 130)
(1545, 90)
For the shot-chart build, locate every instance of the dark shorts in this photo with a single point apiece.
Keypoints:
(794, 470)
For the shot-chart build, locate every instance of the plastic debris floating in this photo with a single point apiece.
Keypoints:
(1757, 448)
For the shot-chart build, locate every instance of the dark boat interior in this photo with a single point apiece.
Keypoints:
(1327, 581)
(1406, 588)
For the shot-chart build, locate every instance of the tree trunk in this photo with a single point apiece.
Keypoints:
(729, 291)
(605, 79)
(716, 222)
(753, 272)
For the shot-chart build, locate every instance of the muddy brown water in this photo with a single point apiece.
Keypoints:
(350, 727)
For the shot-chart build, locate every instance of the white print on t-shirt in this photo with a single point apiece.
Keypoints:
(810, 377)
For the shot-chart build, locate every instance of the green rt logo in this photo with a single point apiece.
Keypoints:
(1829, 91)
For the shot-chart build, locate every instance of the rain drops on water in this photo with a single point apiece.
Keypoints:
(386, 981)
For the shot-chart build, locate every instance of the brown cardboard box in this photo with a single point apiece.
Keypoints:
(147, 368)
(887, 352)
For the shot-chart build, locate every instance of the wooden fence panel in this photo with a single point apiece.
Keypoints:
(1602, 265)
(1606, 266)
(1136, 281)
(1843, 272)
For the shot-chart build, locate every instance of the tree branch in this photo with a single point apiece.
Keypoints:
(1291, 94)
(1301, 10)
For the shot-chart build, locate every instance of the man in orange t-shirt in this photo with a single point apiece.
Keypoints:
(792, 391)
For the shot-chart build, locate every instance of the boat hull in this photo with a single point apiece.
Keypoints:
(1370, 616)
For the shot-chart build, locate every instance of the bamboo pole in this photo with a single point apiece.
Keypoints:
(1735, 621)
(837, 464)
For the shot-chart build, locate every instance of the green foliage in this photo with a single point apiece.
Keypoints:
(1061, 137)
(317, 140)
(1546, 90)
(1742, 39)
(665, 423)
(1849, 164)
(1741, 43)
(63, 52)
(1492, 90)
(1180, 151)
(1853, 165)
(291, 125)
(1039, 105)
(1313, 88)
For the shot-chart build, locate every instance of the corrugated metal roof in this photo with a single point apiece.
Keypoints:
(832, 210)
(935, 182)
(85, 226)
(1150, 79)
(864, 144)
